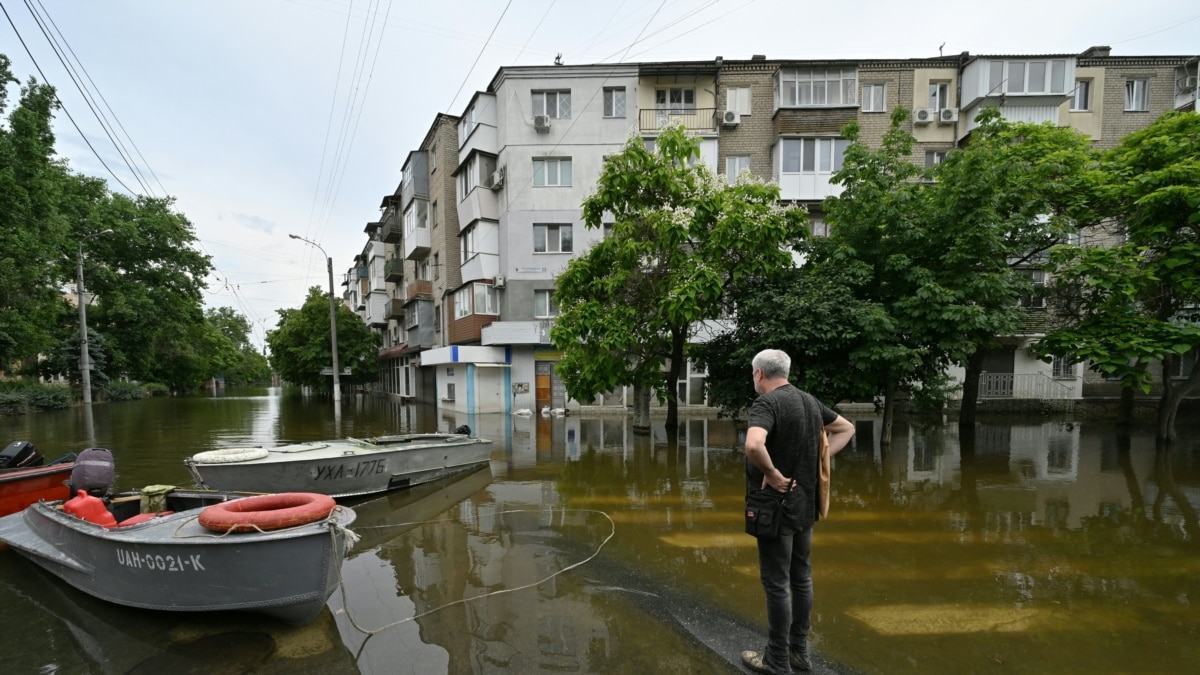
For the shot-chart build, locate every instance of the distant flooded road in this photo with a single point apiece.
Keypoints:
(1036, 546)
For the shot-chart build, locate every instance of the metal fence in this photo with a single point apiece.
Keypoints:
(1021, 385)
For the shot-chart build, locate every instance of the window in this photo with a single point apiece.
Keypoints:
(614, 101)
(433, 159)
(1036, 77)
(411, 316)
(813, 155)
(417, 216)
(608, 229)
(449, 391)
(939, 95)
(735, 165)
(1080, 98)
(433, 214)
(552, 172)
(817, 86)
(1036, 299)
(818, 227)
(1183, 365)
(737, 99)
(1135, 95)
(553, 103)
(1062, 368)
(470, 242)
(675, 98)
(437, 318)
(422, 271)
(552, 239)
(436, 267)
(543, 305)
(466, 125)
(934, 157)
(476, 299)
(874, 98)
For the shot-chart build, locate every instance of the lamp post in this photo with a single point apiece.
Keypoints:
(337, 383)
(85, 361)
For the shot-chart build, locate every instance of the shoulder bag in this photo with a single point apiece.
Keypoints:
(764, 512)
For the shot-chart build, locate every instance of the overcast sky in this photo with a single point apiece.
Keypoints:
(269, 117)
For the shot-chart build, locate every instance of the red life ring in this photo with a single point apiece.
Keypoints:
(267, 512)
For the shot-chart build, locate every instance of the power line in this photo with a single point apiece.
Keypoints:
(477, 56)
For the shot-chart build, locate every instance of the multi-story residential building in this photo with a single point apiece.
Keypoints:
(505, 182)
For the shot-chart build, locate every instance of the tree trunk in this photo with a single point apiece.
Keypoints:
(1173, 395)
(889, 414)
(970, 390)
(1125, 407)
(673, 370)
(641, 409)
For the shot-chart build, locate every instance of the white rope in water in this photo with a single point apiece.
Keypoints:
(342, 582)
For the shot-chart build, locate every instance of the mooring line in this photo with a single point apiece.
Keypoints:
(369, 632)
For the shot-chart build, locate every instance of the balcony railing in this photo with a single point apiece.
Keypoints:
(421, 288)
(393, 270)
(1021, 385)
(395, 309)
(694, 119)
(392, 229)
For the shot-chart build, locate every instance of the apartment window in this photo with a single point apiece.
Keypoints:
(416, 217)
(543, 305)
(818, 227)
(433, 159)
(734, 166)
(934, 157)
(437, 318)
(433, 214)
(737, 99)
(411, 316)
(469, 242)
(476, 299)
(437, 273)
(813, 155)
(874, 98)
(449, 391)
(939, 95)
(1081, 98)
(614, 101)
(1184, 365)
(1036, 299)
(1136, 95)
(553, 103)
(1062, 368)
(608, 229)
(466, 125)
(817, 86)
(1035, 77)
(423, 271)
(675, 98)
(552, 172)
(552, 239)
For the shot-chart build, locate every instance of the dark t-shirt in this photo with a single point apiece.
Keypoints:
(791, 419)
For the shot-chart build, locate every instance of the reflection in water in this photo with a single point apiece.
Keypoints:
(1044, 546)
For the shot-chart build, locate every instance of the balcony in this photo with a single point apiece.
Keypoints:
(395, 309)
(695, 119)
(481, 266)
(416, 244)
(419, 289)
(479, 204)
(516, 332)
(393, 270)
(392, 229)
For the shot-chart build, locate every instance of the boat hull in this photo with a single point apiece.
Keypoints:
(21, 487)
(172, 563)
(347, 468)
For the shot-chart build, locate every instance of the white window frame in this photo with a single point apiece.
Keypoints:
(462, 302)
(1037, 297)
(551, 237)
(734, 166)
(816, 87)
(816, 155)
(1137, 94)
(1060, 369)
(874, 97)
(675, 99)
(818, 227)
(416, 216)
(469, 249)
(934, 157)
(549, 172)
(612, 97)
(737, 99)
(469, 299)
(939, 95)
(1020, 76)
(553, 102)
(1081, 97)
(433, 159)
(543, 305)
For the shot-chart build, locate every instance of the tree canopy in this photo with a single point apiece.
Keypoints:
(680, 236)
(301, 346)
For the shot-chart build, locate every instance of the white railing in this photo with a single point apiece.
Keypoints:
(1022, 385)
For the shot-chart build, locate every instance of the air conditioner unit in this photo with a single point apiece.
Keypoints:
(497, 179)
(923, 115)
(947, 116)
(731, 118)
(541, 123)
(499, 281)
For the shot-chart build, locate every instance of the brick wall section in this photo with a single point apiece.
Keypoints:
(756, 133)
(1160, 75)
(442, 140)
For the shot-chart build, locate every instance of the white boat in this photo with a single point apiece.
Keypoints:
(286, 566)
(341, 468)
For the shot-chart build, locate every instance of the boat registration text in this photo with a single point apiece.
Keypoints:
(355, 470)
(158, 561)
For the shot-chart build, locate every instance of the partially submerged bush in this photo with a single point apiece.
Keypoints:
(156, 389)
(120, 390)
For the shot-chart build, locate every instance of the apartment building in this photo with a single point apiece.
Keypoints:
(469, 308)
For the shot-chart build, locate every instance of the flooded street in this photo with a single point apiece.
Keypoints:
(1041, 546)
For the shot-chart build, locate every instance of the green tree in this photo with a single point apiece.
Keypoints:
(1136, 301)
(300, 345)
(241, 363)
(680, 237)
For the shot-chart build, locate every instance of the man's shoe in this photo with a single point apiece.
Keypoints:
(798, 657)
(754, 661)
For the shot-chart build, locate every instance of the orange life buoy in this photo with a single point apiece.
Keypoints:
(267, 512)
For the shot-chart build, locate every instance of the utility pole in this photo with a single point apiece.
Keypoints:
(85, 360)
(337, 383)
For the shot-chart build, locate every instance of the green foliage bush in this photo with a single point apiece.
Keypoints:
(50, 396)
(120, 390)
(156, 389)
(12, 401)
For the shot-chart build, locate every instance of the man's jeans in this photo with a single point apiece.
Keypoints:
(783, 566)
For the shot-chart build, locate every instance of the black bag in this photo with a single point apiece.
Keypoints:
(764, 511)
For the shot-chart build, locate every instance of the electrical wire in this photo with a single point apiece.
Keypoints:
(477, 56)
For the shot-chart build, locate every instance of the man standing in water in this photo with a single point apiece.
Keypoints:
(782, 448)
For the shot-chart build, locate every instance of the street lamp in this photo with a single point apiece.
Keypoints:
(337, 383)
(85, 361)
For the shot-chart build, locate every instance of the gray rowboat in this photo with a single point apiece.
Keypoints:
(173, 563)
(342, 468)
